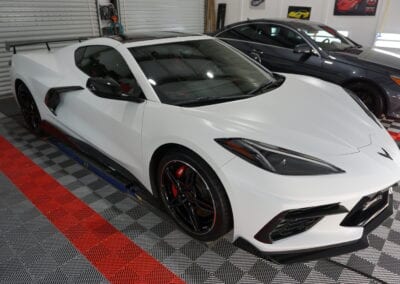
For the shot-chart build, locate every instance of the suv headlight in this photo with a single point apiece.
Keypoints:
(277, 160)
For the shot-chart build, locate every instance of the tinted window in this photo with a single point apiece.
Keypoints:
(327, 38)
(243, 32)
(265, 34)
(105, 62)
(79, 53)
(202, 69)
(279, 36)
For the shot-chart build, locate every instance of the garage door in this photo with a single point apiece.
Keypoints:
(156, 15)
(40, 19)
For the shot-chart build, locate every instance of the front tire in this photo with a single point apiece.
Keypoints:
(370, 96)
(29, 109)
(193, 195)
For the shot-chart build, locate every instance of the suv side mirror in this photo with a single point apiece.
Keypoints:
(108, 88)
(303, 48)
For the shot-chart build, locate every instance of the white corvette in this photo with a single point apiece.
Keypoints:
(298, 167)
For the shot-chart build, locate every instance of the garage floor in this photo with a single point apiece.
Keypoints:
(60, 223)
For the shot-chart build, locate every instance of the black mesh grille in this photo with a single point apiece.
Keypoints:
(290, 227)
(366, 209)
(292, 222)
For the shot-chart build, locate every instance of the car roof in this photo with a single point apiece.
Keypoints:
(142, 39)
(293, 23)
(147, 36)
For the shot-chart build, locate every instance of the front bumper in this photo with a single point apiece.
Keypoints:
(258, 196)
(323, 252)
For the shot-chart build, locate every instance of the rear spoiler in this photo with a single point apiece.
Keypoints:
(14, 44)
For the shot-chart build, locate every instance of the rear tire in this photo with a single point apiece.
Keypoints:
(29, 109)
(370, 95)
(193, 195)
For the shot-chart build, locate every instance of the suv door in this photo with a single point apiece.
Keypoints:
(113, 127)
(273, 45)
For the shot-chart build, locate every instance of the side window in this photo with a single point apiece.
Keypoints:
(243, 32)
(265, 34)
(79, 53)
(105, 62)
(278, 36)
(228, 34)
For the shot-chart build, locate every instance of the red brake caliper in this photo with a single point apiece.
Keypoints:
(178, 174)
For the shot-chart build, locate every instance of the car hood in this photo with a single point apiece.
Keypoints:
(305, 114)
(373, 56)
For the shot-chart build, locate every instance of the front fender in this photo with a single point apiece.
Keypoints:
(164, 124)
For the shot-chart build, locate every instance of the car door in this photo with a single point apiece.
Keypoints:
(111, 126)
(333, 70)
(276, 49)
(273, 45)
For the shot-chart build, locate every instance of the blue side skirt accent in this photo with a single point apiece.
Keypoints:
(96, 169)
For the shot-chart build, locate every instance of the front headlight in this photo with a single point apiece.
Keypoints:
(364, 107)
(277, 160)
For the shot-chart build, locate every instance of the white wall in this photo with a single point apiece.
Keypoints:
(361, 28)
(233, 10)
(390, 22)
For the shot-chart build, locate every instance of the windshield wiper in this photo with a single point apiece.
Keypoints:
(212, 100)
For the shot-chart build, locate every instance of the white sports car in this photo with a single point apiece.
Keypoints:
(298, 167)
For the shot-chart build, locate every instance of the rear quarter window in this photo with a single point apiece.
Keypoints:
(100, 61)
(79, 53)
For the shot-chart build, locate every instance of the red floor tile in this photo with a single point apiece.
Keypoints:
(110, 251)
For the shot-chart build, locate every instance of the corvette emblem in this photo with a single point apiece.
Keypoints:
(385, 154)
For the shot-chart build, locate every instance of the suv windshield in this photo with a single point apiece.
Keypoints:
(201, 72)
(327, 38)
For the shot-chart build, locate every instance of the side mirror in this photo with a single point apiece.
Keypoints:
(108, 88)
(303, 48)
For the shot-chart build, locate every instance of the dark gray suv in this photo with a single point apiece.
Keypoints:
(309, 48)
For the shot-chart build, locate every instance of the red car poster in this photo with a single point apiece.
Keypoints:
(356, 7)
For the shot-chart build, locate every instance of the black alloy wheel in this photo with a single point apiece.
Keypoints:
(194, 197)
(29, 109)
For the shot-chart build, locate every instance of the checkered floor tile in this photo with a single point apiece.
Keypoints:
(32, 250)
(391, 125)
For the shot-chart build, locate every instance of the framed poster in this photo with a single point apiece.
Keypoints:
(299, 12)
(356, 7)
(257, 4)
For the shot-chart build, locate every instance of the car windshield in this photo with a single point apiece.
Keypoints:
(201, 72)
(327, 38)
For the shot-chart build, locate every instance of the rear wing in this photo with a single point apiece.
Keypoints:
(14, 44)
